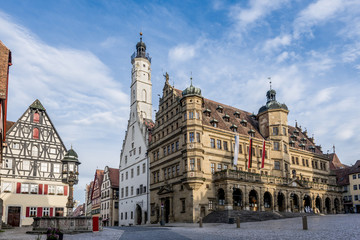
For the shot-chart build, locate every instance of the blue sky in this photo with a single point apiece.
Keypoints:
(74, 56)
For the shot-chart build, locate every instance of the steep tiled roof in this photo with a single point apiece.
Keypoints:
(335, 162)
(37, 105)
(114, 177)
(342, 175)
(9, 124)
(149, 123)
(301, 138)
(5, 60)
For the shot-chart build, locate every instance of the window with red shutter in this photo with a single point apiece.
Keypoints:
(27, 211)
(18, 187)
(51, 212)
(40, 188)
(36, 133)
(45, 189)
(65, 190)
(36, 117)
(39, 212)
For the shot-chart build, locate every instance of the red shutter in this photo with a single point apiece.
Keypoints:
(36, 118)
(27, 211)
(45, 189)
(40, 188)
(35, 133)
(51, 212)
(39, 212)
(18, 187)
(65, 190)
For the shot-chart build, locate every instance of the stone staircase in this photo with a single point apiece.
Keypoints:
(248, 216)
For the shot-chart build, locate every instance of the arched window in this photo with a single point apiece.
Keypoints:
(133, 133)
(34, 151)
(144, 96)
(36, 118)
(35, 133)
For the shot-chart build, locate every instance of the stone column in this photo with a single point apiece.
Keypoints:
(261, 200)
(229, 201)
(246, 199)
(276, 206)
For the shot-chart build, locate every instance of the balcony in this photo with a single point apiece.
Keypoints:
(194, 179)
(142, 55)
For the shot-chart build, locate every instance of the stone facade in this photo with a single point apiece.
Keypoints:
(192, 170)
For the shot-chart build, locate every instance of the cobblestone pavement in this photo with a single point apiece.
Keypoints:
(320, 227)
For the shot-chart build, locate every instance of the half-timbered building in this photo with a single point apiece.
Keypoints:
(31, 171)
(96, 193)
(110, 197)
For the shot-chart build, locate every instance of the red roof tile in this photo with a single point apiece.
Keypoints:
(114, 177)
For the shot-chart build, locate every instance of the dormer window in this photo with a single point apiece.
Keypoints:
(219, 109)
(253, 116)
(233, 128)
(214, 122)
(303, 140)
(292, 143)
(251, 132)
(296, 132)
(237, 114)
(243, 122)
(226, 118)
(293, 137)
(207, 112)
(312, 149)
(302, 146)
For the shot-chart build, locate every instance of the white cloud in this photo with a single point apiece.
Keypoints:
(275, 43)
(324, 95)
(182, 53)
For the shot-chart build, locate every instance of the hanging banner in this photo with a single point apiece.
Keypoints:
(236, 150)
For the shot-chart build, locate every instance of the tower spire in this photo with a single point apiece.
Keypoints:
(269, 82)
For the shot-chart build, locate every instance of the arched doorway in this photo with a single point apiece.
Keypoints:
(138, 215)
(237, 198)
(318, 204)
(253, 200)
(294, 202)
(281, 202)
(328, 205)
(337, 205)
(307, 203)
(267, 201)
(221, 196)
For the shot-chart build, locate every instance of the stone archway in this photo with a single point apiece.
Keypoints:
(221, 197)
(253, 200)
(268, 201)
(281, 202)
(337, 205)
(307, 203)
(295, 203)
(138, 215)
(318, 204)
(327, 205)
(237, 198)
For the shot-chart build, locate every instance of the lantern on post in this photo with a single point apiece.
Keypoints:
(70, 176)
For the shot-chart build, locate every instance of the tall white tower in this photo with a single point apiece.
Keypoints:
(141, 104)
(134, 163)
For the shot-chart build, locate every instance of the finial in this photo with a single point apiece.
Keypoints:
(296, 123)
(71, 146)
(269, 82)
(141, 36)
(191, 78)
(333, 148)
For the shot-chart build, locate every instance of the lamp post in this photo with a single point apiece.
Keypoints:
(70, 176)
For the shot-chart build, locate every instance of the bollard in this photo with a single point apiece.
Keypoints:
(304, 221)
(200, 223)
(238, 222)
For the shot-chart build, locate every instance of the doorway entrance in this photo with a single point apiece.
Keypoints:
(167, 209)
(281, 202)
(14, 216)
(138, 215)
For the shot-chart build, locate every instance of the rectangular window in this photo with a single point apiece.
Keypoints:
(132, 191)
(46, 212)
(139, 150)
(168, 149)
(126, 175)
(303, 162)
(44, 167)
(307, 162)
(191, 115)
(178, 169)
(132, 173)
(212, 141)
(277, 165)
(198, 165)
(276, 146)
(225, 145)
(225, 167)
(60, 190)
(354, 176)
(138, 170)
(240, 148)
(33, 211)
(122, 192)
(218, 144)
(177, 145)
(172, 147)
(219, 167)
(356, 197)
(6, 187)
(192, 164)
(284, 131)
(183, 206)
(51, 189)
(7, 163)
(212, 167)
(164, 151)
(25, 188)
(198, 137)
(144, 167)
(355, 187)
(285, 148)
(126, 191)
(191, 137)
(165, 173)
(297, 160)
(275, 131)
(211, 205)
(34, 188)
(56, 168)
(15, 145)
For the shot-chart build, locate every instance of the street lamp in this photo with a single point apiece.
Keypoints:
(70, 175)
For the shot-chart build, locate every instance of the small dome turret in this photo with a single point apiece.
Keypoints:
(271, 102)
(189, 91)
